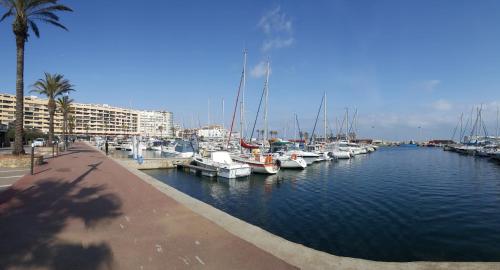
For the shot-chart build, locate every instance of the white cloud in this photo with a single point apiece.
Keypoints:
(430, 85)
(278, 30)
(259, 70)
(275, 21)
(442, 105)
(276, 43)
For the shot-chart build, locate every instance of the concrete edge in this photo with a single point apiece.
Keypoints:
(290, 252)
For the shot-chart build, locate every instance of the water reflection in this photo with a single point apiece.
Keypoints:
(395, 204)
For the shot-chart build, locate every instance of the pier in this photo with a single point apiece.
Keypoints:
(156, 163)
(198, 170)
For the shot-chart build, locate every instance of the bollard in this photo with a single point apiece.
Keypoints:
(52, 149)
(32, 157)
(106, 146)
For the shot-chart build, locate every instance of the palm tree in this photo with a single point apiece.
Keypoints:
(52, 86)
(64, 104)
(71, 123)
(26, 13)
(86, 126)
(160, 128)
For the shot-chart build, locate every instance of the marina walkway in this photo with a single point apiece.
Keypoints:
(82, 210)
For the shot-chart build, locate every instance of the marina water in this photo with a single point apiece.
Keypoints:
(397, 204)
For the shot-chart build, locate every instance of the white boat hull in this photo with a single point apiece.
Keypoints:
(258, 166)
(341, 154)
(288, 163)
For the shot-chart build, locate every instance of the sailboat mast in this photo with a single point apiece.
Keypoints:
(223, 125)
(294, 129)
(242, 105)
(347, 123)
(236, 106)
(324, 116)
(208, 112)
(266, 126)
(461, 127)
(496, 133)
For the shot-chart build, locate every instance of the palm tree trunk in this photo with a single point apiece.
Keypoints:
(18, 138)
(65, 130)
(52, 110)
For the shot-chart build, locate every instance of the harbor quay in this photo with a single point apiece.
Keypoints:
(84, 210)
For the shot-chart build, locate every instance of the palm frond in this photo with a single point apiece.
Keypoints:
(28, 12)
(46, 14)
(52, 86)
(54, 8)
(7, 14)
(49, 21)
(34, 27)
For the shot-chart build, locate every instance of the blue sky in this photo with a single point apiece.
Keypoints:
(402, 64)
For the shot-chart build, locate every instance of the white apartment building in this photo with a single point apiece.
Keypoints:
(90, 119)
(212, 132)
(156, 123)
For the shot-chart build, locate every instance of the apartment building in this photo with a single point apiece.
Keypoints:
(156, 123)
(36, 114)
(102, 119)
(91, 119)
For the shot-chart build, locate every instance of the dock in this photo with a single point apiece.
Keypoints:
(156, 163)
(198, 170)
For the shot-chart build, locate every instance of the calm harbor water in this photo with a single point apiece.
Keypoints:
(397, 204)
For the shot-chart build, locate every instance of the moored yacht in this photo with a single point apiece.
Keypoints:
(290, 162)
(264, 164)
(221, 162)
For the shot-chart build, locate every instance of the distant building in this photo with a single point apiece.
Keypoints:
(91, 119)
(156, 123)
(212, 132)
(96, 119)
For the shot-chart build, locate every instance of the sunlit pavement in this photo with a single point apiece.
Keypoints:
(9, 176)
(82, 210)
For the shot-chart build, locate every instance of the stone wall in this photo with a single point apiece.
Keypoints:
(23, 161)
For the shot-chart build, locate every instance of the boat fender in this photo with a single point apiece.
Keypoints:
(269, 159)
(294, 156)
(277, 163)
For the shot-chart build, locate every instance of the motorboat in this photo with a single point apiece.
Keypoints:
(183, 149)
(222, 162)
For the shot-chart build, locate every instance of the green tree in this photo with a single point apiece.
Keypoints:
(160, 128)
(71, 123)
(64, 105)
(53, 86)
(26, 14)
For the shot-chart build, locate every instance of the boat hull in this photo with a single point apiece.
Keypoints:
(289, 163)
(259, 167)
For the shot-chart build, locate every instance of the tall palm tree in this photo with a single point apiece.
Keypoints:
(52, 86)
(64, 104)
(160, 128)
(26, 13)
(71, 124)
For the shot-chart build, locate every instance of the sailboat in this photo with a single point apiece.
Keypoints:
(259, 162)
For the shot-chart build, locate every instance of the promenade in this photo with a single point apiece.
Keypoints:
(82, 210)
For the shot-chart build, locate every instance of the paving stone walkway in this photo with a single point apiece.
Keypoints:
(82, 210)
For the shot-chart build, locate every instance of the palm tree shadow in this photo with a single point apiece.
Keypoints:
(31, 219)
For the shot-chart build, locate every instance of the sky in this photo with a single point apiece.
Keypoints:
(401, 64)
